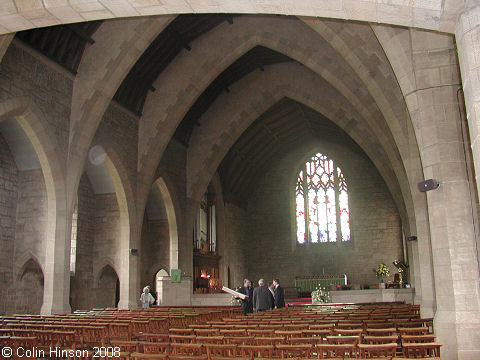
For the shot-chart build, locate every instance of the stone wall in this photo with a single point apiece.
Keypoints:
(29, 290)
(105, 253)
(155, 251)
(375, 224)
(107, 231)
(236, 241)
(118, 131)
(25, 73)
(8, 206)
(30, 231)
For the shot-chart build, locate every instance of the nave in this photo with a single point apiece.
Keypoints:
(334, 331)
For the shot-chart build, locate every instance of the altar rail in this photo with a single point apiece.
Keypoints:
(311, 283)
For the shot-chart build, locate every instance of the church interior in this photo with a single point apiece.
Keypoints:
(189, 149)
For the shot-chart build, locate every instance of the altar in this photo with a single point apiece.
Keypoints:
(373, 295)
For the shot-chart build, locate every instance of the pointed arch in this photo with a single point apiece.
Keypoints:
(57, 249)
(99, 267)
(107, 288)
(128, 263)
(172, 220)
(235, 42)
(22, 262)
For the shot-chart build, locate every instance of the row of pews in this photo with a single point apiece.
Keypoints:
(382, 331)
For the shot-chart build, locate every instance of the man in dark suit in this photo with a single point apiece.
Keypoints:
(278, 295)
(262, 298)
(247, 303)
(271, 288)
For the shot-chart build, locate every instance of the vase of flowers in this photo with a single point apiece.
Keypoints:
(320, 295)
(382, 271)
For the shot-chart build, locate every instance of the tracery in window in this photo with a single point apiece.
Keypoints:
(321, 202)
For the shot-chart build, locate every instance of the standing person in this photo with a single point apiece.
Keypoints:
(271, 288)
(146, 298)
(262, 298)
(279, 295)
(247, 303)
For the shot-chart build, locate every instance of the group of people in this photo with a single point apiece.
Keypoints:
(263, 297)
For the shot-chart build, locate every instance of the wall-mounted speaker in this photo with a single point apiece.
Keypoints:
(134, 251)
(411, 238)
(427, 185)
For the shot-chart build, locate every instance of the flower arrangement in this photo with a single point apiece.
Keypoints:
(320, 295)
(382, 271)
(234, 301)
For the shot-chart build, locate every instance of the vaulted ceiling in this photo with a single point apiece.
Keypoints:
(257, 58)
(286, 124)
(177, 36)
(282, 128)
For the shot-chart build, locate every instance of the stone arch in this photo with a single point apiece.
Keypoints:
(203, 158)
(234, 128)
(118, 45)
(114, 179)
(127, 261)
(21, 263)
(170, 208)
(107, 287)
(233, 42)
(28, 284)
(157, 270)
(29, 288)
(431, 15)
(99, 266)
(43, 140)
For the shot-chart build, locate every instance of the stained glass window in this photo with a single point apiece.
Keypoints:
(321, 198)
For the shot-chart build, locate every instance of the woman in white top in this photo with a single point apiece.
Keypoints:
(146, 298)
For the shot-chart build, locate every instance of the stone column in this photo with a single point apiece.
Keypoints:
(466, 269)
(129, 275)
(56, 274)
(438, 125)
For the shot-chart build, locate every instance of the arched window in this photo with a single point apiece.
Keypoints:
(321, 197)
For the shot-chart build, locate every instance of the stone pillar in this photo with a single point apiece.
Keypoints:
(466, 270)
(129, 281)
(438, 125)
(129, 276)
(56, 274)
